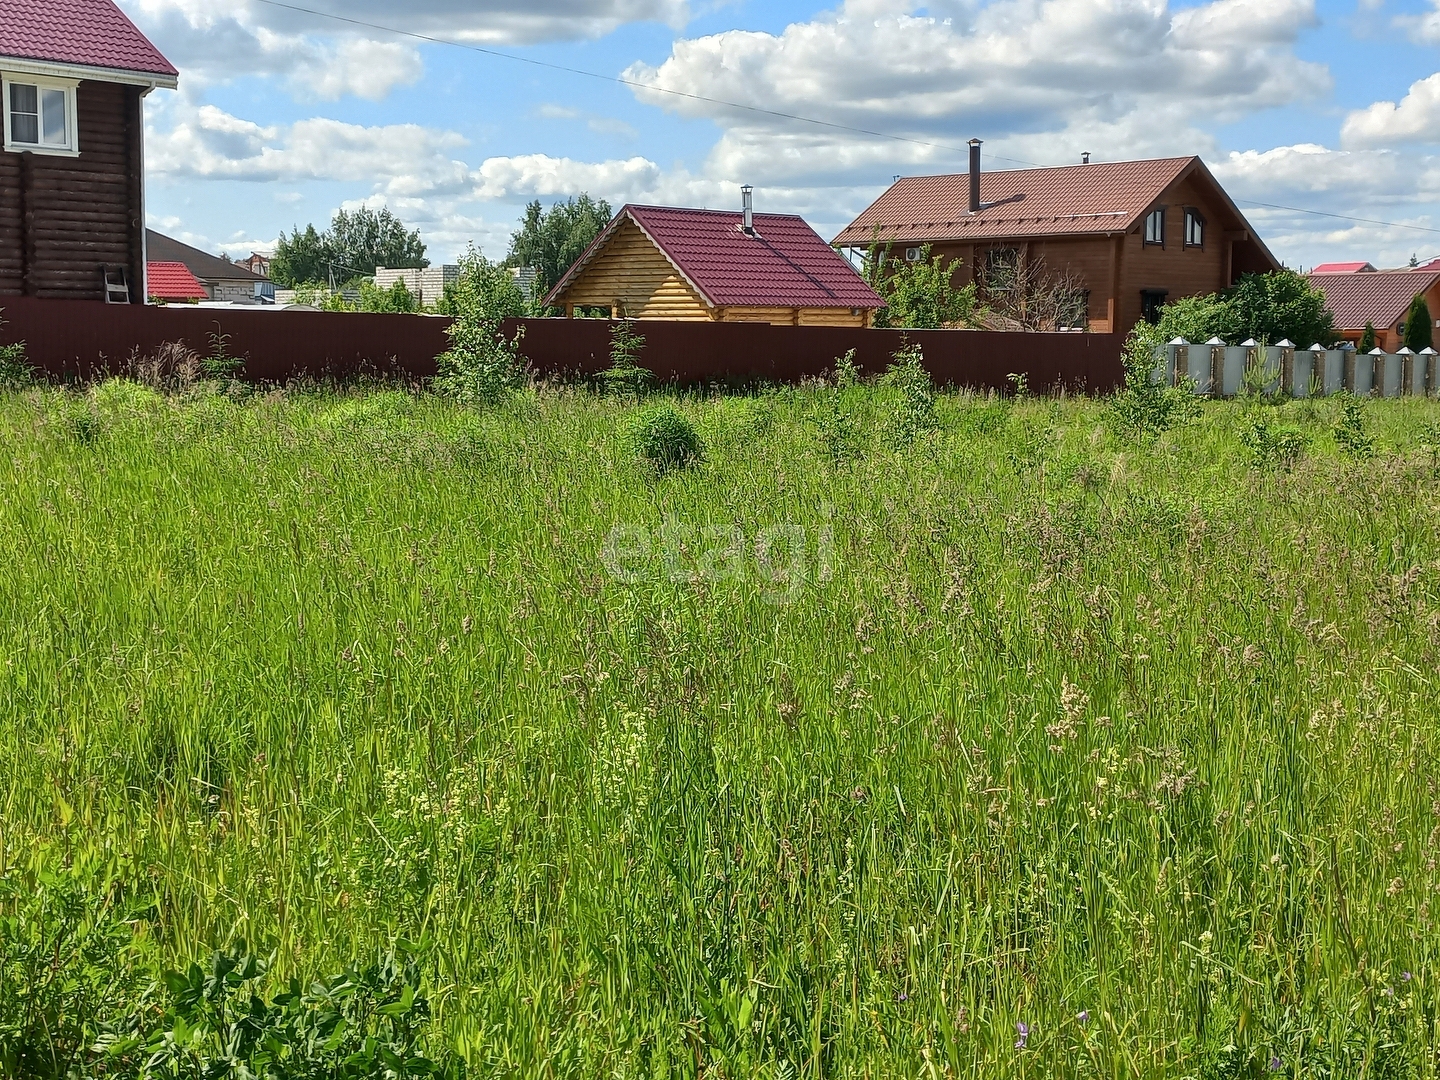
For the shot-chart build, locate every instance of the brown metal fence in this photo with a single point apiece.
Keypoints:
(70, 339)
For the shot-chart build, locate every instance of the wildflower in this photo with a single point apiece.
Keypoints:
(1022, 1030)
(1275, 1064)
(1405, 976)
(902, 996)
(1083, 1016)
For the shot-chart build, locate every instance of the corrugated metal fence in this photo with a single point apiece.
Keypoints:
(71, 339)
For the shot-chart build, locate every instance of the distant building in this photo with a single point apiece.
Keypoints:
(173, 283)
(1381, 298)
(426, 284)
(257, 264)
(1344, 268)
(527, 277)
(658, 262)
(1133, 234)
(222, 279)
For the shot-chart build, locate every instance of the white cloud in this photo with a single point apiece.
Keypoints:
(1045, 73)
(1424, 29)
(1415, 119)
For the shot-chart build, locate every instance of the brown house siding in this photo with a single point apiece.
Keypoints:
(62, 218)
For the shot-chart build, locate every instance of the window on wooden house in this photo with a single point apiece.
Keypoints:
(1001, 270)
(1151, 301)
(1155, 227)
(1194, 228)
(39, 115)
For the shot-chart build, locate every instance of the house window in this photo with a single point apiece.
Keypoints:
(1002, 267)
(1155, 227)
(1151, 301)
(39, 116)
(1194, 228)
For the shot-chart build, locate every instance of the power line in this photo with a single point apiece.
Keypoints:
(1341, 217)
(627, 82)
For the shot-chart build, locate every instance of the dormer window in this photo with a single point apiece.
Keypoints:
(1155, 227)
(39, 115)
(1194, 228)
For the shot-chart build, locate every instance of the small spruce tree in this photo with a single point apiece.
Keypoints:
(1419, 331)
(1367, 339)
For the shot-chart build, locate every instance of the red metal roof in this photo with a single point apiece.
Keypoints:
(1380, 298)
(1343, 268)
(786, 264)
(173, 281)
(94, 33)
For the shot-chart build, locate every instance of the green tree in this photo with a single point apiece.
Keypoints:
(354, 245)
(299, 258)
(481, 365)
(1367, 339)
(1419, 330)
(396, 299)
(1280, 304)
(551, 240)
(920, 295)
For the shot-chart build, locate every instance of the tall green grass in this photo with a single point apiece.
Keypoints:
(1132, 744)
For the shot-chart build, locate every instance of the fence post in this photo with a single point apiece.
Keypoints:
(1429, 373)
(1287, 367)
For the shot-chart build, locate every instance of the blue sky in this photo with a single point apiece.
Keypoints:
(282, 117)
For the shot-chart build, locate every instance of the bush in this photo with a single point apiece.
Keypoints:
(15, 370)
(921, 294)
(625, 375)
(665, 440)
(847, 372)
(1144, 407)
(1271, 447)
(1419, 330)
(1367, 339)
(481, 365)
(1267, 307)
(915, 411)
(1350, 434)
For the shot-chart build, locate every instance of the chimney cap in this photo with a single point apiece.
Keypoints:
(975, 142)
(1085, 158)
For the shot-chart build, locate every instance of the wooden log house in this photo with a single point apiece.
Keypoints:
(661, 262)
(74, 75)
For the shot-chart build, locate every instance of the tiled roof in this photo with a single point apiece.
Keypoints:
(1071, 199)
(1380, 299)
(203, 265)
(173, 281)
(786, 264)
(94, 33)
(1343, 268)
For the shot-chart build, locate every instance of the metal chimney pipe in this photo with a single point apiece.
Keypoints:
(1085, 158)
(974, 176)
(747, 201)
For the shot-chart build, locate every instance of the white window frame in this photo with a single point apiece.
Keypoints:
(1194, 222)
(1157, 217)
(72, 124)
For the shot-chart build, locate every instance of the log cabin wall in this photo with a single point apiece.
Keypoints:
(63, 218)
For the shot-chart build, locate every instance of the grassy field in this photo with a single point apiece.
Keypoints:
(1011, 748)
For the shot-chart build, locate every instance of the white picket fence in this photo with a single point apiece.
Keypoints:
(1220, 370)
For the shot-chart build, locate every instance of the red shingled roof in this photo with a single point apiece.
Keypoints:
(173, 281)
(1380, 298)
(94, 33)
(1343, 268)
(786, 264)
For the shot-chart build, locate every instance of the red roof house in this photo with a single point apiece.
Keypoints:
(1344, 268)
(658, 262)
(1381, 299)
(173, 281)
(73, 78)
(1132, 235)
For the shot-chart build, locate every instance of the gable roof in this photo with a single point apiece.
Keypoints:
(1380, 298)
(202, 264)
(1344, 268)
(786, 264)
(173, 281)
(85, 33)
(1069, 200)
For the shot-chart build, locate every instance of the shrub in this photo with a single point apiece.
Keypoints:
(921, 294)
(838, 432)
(847, 372)
(1419, 330)
(1266, 307)
(664, 439)
(915, 411)
(625, 375)
(15, 370)
(218, 363)
(1144, 407)
(1271, 447)
(481, 365)
(1350, 434)
(1367, 339)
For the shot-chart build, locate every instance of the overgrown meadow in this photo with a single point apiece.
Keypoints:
(972, 738)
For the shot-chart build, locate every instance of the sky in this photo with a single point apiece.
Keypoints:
(446, 111)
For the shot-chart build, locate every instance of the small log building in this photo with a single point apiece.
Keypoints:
(1133, 235)
(73, 75)
(656, 262)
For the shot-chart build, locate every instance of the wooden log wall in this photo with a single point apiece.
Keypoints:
(63, 218)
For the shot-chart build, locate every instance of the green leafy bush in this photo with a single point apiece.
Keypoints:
(1267, 307)
(921, 294)
(15, 370)
(914, 413)
(482, 365)
(1145, 407)
(847, 372)
(1269, 447)
(1351, 435)
(625, 375)
(664, 439)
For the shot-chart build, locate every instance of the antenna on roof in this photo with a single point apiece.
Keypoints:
(747, 201)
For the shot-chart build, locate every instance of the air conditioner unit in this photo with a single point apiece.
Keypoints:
(912, 254)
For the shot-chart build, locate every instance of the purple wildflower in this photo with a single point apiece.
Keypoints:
(1405, 976)
(1083, 1016)
(1275, 1064)
(902, 996)
(1022, 1029)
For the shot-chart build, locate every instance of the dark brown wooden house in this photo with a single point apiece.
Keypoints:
(74, 75)
(1133, 234)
